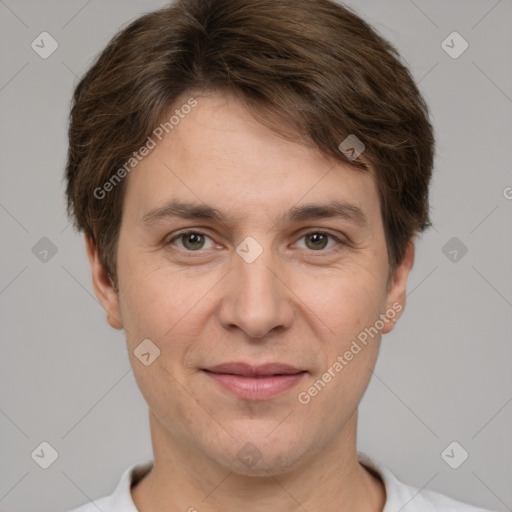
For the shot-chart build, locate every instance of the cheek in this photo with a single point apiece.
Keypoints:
(350, 348)
(354, 342)
(169, 397)
(351, 309)
(350, 301)
(158, 301)
(170, 310)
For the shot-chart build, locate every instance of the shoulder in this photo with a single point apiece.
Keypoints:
(427, 500)
(103, 504)
(120, 500)
(407, 498)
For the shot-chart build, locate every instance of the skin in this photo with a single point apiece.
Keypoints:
(299, 303)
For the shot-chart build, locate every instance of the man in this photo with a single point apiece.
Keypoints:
(250, 176)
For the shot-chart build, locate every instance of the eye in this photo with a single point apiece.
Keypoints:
(318, 240)
(192, 241)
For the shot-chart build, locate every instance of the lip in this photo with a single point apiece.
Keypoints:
(249, 370)
(250, 382)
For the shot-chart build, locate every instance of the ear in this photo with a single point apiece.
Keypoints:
(103, 286)
(396, 295)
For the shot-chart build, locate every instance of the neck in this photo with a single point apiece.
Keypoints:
(330, 480)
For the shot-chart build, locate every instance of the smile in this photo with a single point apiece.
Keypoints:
(256, 387)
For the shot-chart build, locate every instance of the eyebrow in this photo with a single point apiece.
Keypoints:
(194, 211)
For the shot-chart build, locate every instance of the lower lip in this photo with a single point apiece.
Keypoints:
(256, 388)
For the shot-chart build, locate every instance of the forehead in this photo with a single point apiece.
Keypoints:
(217, 154)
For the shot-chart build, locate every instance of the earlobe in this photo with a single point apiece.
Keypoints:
(103, 286)
(397, 292)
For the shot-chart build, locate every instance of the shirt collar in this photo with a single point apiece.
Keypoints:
(122, 498)
(396, 492)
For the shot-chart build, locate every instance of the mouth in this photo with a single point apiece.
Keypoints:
(250, 382)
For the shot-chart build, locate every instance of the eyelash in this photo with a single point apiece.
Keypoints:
(199, 251)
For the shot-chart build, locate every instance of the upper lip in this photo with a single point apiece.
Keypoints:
(249, 370)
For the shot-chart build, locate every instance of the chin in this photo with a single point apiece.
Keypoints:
(260, 458)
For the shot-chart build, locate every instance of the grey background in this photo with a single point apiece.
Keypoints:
(443, 373)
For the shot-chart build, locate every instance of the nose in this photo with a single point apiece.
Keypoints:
(256, 298)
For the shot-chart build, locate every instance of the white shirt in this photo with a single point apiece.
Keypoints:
(400, 497)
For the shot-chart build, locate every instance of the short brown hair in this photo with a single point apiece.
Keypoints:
(312, 63)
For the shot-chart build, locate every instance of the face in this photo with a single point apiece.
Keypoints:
(237, 246)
